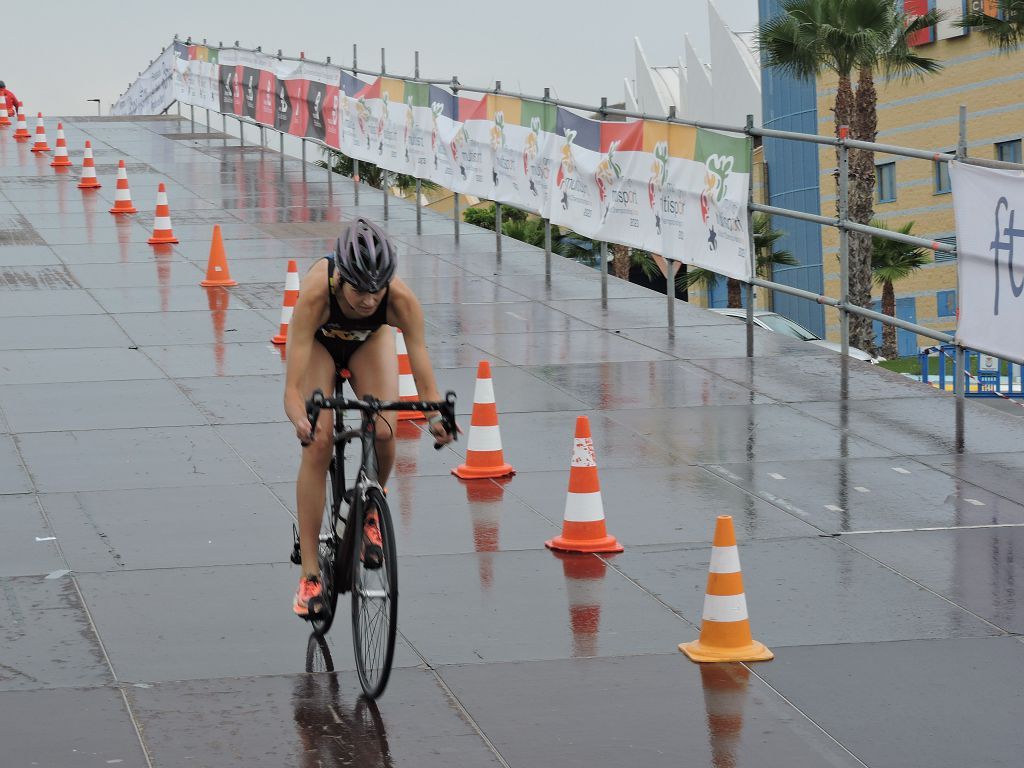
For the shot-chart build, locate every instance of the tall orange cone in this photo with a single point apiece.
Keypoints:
(89, 180)
(217, 267)
(291, 296)
(583, 527)
(484, 457)
(725, 629)
(162, 232)
(584, 582)
(40, 145)
(122, 195)
(22, 134)
(5, 118)
(60, 154)
(406, 382)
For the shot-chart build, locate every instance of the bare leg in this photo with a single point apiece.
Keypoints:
(311, 486)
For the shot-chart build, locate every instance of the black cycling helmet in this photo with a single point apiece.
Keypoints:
(2, 84)
(364, 256)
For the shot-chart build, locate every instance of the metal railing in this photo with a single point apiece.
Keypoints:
(840, 222)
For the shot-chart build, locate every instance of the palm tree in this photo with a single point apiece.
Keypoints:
(767, 257)
(1006, 29)
(847, 38)
(892, 261)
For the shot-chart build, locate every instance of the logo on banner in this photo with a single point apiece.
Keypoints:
(460, 140)
(716, 174)
(659, 177)
(608, 172)
(998, 246)
(229, 92)
(382, 122)
(250, 92)
(362, 118)
(332, 115)
(408, 126)
(436, 109)
(531, 150)
(268, 98)
(283, 102)
(566, 168)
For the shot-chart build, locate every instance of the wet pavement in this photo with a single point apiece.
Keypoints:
(147, 497)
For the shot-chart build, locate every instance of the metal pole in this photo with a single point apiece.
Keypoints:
(383, 173)
(959, 372)
(208, 120)
(604, 274)
(456, 215)
(281, 145)
(844, 240)
(330, 183)
(241, 132)
(751, 292)
(192, 116)
(961, 144)
(960, 384)
(419, 183)
(497, 227)
(670, 292)
(303, 152)
(179, 108)
(547, 248)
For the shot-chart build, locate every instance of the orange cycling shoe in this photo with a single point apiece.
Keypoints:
(309, 588)
(373, 544)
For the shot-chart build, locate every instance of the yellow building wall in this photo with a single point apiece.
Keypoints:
(923, 113)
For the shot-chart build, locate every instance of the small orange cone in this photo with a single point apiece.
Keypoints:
(484, 457)
(291, 296)
(217, 267)
(583, 527)
(22, 134)
(122, 195)
(40, 145)
(60, 154)
(406, 382)
(162, 232)
(89, 180)
(725, 628)
(5, 118)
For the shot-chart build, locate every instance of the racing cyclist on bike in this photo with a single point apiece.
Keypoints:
(347, 301)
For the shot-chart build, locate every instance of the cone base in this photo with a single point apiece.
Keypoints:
(209, 283)
(162, 241)
(90, 186)
(467, 472)
(696, 651)
(43, 148)
(21, 138)
(124, 210)
(608, 544)
(55, 164)
(279, 340)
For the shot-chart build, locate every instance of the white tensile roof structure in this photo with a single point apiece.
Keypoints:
(689, 86)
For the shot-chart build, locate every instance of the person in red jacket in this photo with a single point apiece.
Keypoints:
(10, 98)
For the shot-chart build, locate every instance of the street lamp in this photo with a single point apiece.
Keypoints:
(97, 105)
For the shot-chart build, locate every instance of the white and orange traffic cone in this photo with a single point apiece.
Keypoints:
(40, 145)
(122, 195)
(725, 626)
(406, 382)
(89, 180)
(583, 526)
(60, 153)
(217, 272)
(22, 134)
(5, 117)
(162, 232)
(291, 297)
(484, 457)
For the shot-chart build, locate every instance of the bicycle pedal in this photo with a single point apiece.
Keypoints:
(296, 555)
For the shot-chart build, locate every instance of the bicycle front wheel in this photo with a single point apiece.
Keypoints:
(375, 603)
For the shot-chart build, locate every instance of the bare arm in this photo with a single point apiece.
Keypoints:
(310, 311)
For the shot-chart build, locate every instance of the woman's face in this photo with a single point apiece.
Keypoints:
(362, 304)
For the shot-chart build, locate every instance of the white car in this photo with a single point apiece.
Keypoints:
(776, 323)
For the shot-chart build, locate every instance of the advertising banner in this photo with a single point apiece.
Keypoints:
(153, 91)
(991, 305)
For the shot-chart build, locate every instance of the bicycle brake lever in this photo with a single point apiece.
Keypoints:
(447, 411)
(313, 407)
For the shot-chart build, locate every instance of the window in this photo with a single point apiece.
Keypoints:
(1008, 151)
(942, 177)
(886, 175)
(946, 301)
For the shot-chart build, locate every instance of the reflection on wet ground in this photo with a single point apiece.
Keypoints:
(147, 497)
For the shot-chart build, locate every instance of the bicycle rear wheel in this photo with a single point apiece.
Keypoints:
(375, 603)
(327, 555)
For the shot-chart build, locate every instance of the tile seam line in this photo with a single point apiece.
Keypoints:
(463, 710)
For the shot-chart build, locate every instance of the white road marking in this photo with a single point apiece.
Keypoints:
(776, 476)
(46, 538)
(833, 508)
(901, 470)
(861, 489)
(940, 528)
(975, 502)
(517, 317)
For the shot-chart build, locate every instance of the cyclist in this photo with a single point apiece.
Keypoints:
(8, 96)
(347, 301)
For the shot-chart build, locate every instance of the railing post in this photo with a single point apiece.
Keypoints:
(241, 131)
(751, 291)
(419, 183)
(844, 240)
(670, 291)
(192, 116)
(960, 373)
(961, 144)
(547, 248)
(497, 205)
(456, 214)
(604, 273)
(328, 159)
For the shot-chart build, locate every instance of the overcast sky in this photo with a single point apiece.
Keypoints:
(57, 58)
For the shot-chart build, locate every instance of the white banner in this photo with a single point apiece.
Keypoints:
(152, 92)
(989, 208)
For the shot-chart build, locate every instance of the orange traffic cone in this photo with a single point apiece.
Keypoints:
(291, 296)
(583, 528)
(584, 581)
(22, 134)
(89, 180)
(406, 382)
(60, 154)
(40, 145)
(162, 232)
(484, 457)
(5, 117)
(725, 628)
(123, 195)
(217, 267)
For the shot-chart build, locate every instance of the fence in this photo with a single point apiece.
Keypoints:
(672, 161)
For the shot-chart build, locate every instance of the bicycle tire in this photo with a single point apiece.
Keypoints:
(326, 556)
(375, 603)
